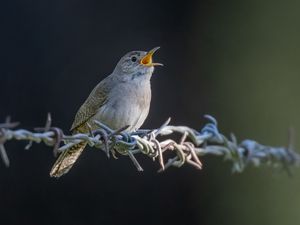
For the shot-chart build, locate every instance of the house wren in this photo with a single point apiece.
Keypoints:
(122, 98)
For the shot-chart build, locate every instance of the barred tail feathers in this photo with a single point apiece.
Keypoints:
(67, 159)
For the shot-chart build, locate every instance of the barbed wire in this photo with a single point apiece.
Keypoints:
(188, 149)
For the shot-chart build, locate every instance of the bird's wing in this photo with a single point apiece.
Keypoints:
(96, 99)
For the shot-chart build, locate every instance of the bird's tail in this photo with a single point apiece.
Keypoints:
(67, 159)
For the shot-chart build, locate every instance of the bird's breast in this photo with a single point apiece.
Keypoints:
(126, 105)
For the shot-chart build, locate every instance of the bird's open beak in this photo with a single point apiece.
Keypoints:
(147, 59)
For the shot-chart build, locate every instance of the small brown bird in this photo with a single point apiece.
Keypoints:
(122, 98)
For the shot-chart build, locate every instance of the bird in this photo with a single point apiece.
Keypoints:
(121, 99)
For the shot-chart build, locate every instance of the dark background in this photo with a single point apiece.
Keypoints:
(235, 60)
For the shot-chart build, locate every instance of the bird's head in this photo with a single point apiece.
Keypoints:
(137, 63)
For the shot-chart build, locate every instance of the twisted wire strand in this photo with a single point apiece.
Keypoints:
(192, 145)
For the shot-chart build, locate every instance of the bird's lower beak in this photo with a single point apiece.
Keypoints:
(147, 59)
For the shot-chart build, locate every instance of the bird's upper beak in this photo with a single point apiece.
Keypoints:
(147, 59)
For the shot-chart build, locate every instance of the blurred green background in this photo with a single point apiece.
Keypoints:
(252, 68)
(235, 60)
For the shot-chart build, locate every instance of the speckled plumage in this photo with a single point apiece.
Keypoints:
(122, 98)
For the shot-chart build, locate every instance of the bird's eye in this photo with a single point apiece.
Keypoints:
(133, 59)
